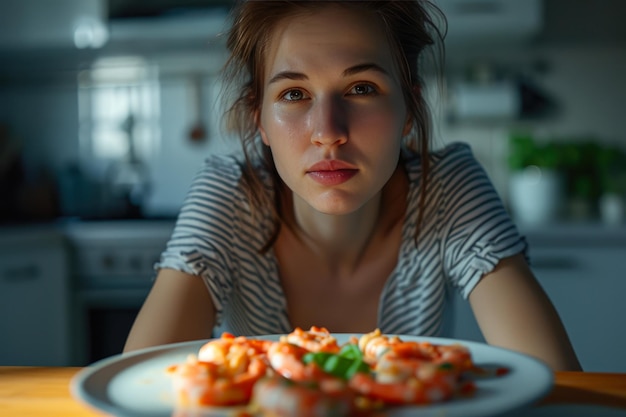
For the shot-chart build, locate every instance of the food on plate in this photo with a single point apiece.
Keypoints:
(308, 373)
(410, 372)
(223, 373)
(316, 339)
(279, 397)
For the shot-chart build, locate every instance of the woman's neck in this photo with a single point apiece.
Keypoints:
(341, 242)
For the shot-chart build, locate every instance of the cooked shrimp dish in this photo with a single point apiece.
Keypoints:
(308, 373)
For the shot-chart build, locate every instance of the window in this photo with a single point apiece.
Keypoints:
(118, 112)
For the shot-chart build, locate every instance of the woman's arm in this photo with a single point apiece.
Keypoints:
(514, 312)
(178, 308)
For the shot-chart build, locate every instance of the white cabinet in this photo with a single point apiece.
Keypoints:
(33, 298)
(583, 271)
(587, 285)
(472, 22)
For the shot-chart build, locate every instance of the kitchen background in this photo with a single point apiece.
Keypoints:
(108, 108)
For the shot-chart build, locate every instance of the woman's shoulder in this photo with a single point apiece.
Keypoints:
(229, 170)
(451, 151)
(227, 165)
(218, 201)
(456, 182)
(454, 160)
(219, 181)
(442, 161)
(225, 185)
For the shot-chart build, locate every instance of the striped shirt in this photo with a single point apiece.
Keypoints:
(465, 232)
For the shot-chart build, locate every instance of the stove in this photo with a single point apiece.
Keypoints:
(112, 264)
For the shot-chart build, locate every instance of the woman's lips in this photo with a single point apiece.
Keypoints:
(332, 172)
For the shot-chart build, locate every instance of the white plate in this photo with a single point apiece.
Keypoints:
(137, 385)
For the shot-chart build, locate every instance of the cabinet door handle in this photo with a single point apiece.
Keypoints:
(21, 273)
(554, 263)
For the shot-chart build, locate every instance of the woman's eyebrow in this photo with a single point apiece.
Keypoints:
(293, 75)
(368, 66)
(287, 75)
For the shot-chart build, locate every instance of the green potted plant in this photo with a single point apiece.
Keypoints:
(581, 179)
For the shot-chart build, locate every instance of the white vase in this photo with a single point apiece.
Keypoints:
(611, 208)
(536, 196)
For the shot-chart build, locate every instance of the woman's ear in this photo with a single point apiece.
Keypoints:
(257, 121)
(408, 125)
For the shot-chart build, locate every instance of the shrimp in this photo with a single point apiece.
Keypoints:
(222, 374)
(286, 355)
(316, 339)
(288, 361)
(278, 397)
(375, 344)
(302, 387)
(439, 386)
(410, 372)
(231, 349)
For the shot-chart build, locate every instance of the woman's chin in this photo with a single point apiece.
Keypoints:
(336, 207)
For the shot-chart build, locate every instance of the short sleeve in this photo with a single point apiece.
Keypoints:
(203, 238)
(477, 231)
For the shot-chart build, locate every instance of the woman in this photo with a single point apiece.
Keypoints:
(340, 216)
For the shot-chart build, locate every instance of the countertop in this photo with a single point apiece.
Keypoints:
(575, 234)
(75, 229)
(78, 231)
(45, 392)
(562, 231)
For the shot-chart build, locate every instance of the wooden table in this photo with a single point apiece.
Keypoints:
(44, 391)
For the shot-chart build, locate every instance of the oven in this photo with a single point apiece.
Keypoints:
(112, 272)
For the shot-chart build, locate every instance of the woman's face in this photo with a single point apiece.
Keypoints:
(333, 112)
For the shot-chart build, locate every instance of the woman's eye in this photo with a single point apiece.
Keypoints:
(363, 89)
(293, 95)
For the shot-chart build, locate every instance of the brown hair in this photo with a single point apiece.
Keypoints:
(411, 26)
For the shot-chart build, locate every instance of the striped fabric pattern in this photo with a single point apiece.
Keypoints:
(466, 231)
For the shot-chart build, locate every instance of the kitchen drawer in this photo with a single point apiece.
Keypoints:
(34, 304)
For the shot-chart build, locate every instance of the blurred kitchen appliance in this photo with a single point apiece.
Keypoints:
(112, 266)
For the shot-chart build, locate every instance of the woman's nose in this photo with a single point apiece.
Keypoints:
(329, 122)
